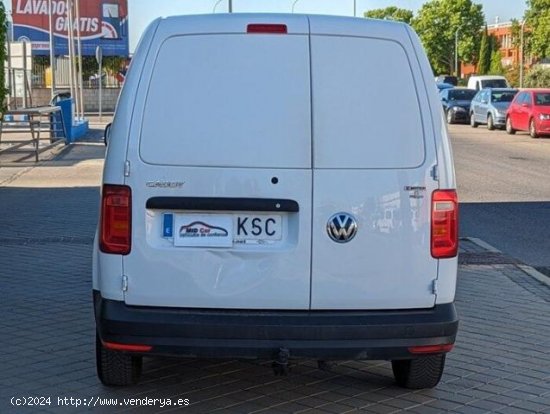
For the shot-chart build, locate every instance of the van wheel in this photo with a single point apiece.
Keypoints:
(116, 368)
(450, 118)
(418, 373)
(490, 123)
(473, 122)
(533, 129)
(509, 129)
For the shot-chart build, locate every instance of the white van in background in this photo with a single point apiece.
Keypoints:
(487, 81)
(246, 163)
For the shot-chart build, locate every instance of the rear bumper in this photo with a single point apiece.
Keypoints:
(260, 334)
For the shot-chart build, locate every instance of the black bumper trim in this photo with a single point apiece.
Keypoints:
(223, 204)
(251, 333)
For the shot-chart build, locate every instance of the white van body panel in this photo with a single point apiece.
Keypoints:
(323, 157)
(107, 270)
(266, 135)
(363, 162)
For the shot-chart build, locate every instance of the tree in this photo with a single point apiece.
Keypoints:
(3, 55)
(538, 77)
(484, 63)
(496, 67)
(538, 20)
(391, 13)
(438, 21)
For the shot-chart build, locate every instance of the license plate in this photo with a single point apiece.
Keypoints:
(222, 230)
(257, 228)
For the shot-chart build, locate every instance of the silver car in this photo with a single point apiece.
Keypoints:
(489, 107)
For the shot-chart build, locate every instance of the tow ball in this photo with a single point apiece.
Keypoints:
(280, 365)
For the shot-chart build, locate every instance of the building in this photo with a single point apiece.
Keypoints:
(502, 32)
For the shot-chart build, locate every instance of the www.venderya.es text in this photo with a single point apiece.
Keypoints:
(41, 401)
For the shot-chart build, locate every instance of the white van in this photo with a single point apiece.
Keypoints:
(487, 81)
(247, 163)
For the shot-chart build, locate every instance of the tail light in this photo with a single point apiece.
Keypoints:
(267, 28)
(430, 349)
(115, 228)
(115, 346)
(444, 224)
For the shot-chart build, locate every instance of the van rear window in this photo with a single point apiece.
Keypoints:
(366, 112)
(229, 101)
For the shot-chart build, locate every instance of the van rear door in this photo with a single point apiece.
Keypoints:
(373, 153)
(221, 168)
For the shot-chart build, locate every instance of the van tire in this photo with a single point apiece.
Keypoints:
(116, 368)
(490, 123)
(509, 128)
(419, 373)
(533, 129)
(450, 117)
(473, 122)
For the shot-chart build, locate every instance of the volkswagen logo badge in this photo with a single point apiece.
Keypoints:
(342, 227)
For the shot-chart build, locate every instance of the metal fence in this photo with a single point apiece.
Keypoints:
(40, 75)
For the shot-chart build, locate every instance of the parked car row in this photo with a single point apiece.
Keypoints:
(496, 107)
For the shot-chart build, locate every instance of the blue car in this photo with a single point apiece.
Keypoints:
(489, 107)
(456, 104)
(441, 86)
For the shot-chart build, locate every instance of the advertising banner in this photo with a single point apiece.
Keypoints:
(102, 23)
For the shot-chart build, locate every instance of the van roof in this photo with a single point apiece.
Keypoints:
(487, 77)
(296, 24)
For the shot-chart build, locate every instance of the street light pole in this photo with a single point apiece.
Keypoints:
(354, 8)
(230, 6)
(294, 4)
(456, 52)
(216, 5)
(521, 55)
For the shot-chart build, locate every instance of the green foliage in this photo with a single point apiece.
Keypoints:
(3, 55)
(511, 73)
(484, 54)
(391, 13)
(437, 23)
(496, 63)
(112, 64)
(538, 77)
(538, 21)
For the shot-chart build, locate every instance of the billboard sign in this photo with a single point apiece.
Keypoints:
(102, 23)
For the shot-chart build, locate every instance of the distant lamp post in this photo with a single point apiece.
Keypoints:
(216, 5)
(521, 53)
(294, 4)
(354, 8)
(456, 52)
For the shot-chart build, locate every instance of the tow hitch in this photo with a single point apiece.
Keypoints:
(280, 365)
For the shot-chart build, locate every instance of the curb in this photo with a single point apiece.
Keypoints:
(528, 270)
(51, 154)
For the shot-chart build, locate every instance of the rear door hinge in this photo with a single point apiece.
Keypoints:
(435, 173)
(124, 283)
(434, 287)
(127, 168)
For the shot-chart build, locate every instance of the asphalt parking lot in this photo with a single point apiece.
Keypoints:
(501, 362)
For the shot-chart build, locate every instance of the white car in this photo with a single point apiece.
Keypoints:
(240, 198)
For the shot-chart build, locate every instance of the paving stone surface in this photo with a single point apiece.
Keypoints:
(501, 362)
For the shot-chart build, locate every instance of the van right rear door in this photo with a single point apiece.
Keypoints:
(373, 154)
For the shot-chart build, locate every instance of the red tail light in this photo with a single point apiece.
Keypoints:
(126, 347)
(430, 349)
(116, 219)
(266, 28)
(444, 224)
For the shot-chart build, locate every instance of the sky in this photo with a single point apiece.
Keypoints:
(142, 12)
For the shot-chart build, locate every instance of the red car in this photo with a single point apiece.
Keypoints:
(530, 111)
